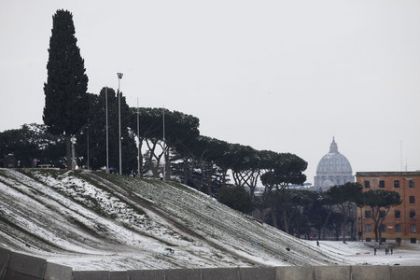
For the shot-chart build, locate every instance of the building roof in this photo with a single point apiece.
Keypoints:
(387, 173)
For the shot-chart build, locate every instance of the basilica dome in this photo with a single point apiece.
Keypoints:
(333, 169)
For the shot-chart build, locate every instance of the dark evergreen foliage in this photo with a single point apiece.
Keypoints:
(345, 198)
(32, 144)
(66, 101)
(236, 198)
(97, 136)
(283, 169)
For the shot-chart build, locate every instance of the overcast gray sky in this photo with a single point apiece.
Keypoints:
(279, 75)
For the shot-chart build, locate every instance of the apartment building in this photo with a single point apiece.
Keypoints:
(402, 224)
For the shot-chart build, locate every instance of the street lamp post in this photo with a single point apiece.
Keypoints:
(106, 129)
(138, 138)
(119, 75)
(164, 144)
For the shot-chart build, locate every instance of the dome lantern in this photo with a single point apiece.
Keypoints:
(333, 146)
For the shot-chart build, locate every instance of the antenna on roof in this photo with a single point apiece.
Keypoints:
(401, 155)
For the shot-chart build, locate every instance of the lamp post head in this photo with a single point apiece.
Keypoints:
(120, 75)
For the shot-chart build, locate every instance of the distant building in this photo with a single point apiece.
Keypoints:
(333, 169)
(401, 224)
(304, 186)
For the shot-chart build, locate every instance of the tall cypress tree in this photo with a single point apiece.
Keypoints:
(66, 101)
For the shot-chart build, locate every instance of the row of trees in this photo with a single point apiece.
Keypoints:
(349, 196)
(227, 171)
(325, 214)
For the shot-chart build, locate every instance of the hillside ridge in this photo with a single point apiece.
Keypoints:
(92, 220)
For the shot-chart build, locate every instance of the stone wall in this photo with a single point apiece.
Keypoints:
(17, 266)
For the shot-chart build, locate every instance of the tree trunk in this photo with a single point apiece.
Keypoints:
(322, 230)
(167, 165)
(375, 229)
(344, 227)
(352, 230)
(337, 232)
(68, 151)
(209, 179)
(224, 174)
(186, 171)
(343, 232)
(274, 218)
(140, 159)
(285, 221)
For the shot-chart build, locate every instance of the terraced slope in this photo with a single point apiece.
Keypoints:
(91, 220)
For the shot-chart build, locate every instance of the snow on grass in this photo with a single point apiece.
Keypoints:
(356, 252)
(225, 228)
(124, 237)
(27, 213)
(107, 204)
(91, 221)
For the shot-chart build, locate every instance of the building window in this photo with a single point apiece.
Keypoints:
(368, 214)
(383, 240)
(367, 184)
(382, 228)
(413, 240)
(368, 228)
(412, 199)
(412, 214)
(382, 184)
(382, 213)
(411, 183)
(398, 240)
(397, 214)
(413, 228)
(397, 228)
(368, 239)
(396, 183)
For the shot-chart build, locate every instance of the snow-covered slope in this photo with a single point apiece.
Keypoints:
(93, 220)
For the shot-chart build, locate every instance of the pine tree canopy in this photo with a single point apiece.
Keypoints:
(66, 103)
